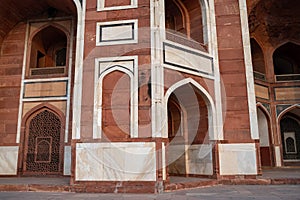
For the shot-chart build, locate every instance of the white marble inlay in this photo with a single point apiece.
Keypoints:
(200, 159)
(183, 57)
(237, 159)
(249, 69)
(117, 32)
(67, 160)
(120, 32)
(263, 129)
(277, 156)
(135, 161)
(101, 5)
(197, 158)
(9, 160)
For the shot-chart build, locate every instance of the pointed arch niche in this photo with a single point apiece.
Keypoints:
(258, 61)
(189, 127)
(265, 136)
(289, 123)
(116, 98)
(48, 50)
(186, 23)
(286, 62)
(43, 146)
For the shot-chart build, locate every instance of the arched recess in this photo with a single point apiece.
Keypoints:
(265, 136)
(189, 148)
(289, 131)
(187, 19)
(286, 62)
(177, 17)
(49, 50)
(207, 99)
(13, 12)
(123, 80)
(258, 61)
(43, 138)
(177, 120)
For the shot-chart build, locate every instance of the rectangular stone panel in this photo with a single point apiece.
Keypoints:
(134, 161)
(110, 3)
(261, 91)
(67, 161)
(116, 32)
(287, 93)
(200, 159)
(45, 89)
(103, 5)
(187, 60)
(9, 160)
(237, 159)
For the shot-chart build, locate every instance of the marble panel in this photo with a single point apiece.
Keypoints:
(9, 160)
(263, 129)
(89, 166)
(117, 32)
(237, 159)
(135, 161)
(67, 161)
(101, 5)
(278, 156)
(139, 160)
(186, 59)
(200, 160)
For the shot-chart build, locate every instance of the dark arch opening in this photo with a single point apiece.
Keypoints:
(265, 136)
(188, 148)
(290, 134)
(286, 62)
(183, 21)
(257, 60)
(48, 48)
(174, 118)
(175, 17)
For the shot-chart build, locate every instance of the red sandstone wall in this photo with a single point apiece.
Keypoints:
(91, 51)
(232, 69)
(11, 59)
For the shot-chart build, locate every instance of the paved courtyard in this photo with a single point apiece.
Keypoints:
(219, 192)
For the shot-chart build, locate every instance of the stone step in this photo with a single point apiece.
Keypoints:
(23, 187)
(35, 188)
(189, 185)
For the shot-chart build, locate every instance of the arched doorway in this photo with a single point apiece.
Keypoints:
(43, 144)
(258, 61)
(264, 137)
(185, 22)
(290, 137)
(189, 151)
(177, 137)
(48, 55)
(287, 62)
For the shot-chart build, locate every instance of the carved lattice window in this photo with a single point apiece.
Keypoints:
(43, 149)
(290, 145)
(43, 145)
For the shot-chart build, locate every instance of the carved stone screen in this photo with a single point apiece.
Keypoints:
(43, 155)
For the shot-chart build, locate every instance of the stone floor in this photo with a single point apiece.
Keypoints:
(219, 192)
(271, 176)
(288, 172)
(35, 180)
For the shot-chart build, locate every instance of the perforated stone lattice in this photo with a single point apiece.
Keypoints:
(43, 153)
